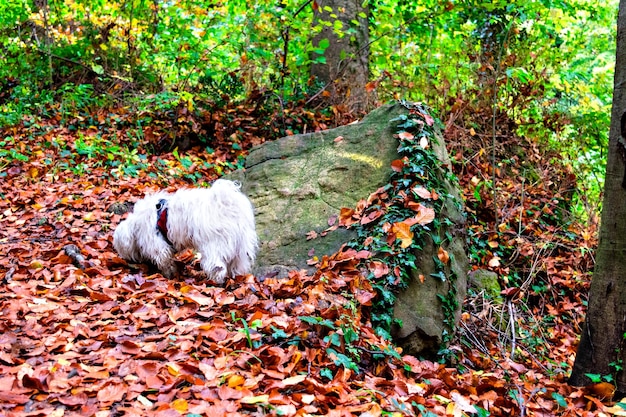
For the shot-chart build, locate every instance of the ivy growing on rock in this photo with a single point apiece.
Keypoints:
(397, 219)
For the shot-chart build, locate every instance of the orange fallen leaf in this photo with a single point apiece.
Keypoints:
(235, 381)
(379, 269)
(111, 393)
(403, 232)
(397, 165)
(425, 215)
(422, 192)
(443, 256)
(494, 262)
(601, 390)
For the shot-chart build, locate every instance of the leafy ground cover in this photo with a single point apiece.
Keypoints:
(82, 333)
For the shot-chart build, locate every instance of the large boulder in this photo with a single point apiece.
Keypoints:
(298, 185)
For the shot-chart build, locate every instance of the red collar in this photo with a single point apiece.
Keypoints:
(162, 219)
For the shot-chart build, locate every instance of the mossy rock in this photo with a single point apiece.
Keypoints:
(299, 184)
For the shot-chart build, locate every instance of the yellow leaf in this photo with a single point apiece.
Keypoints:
(36, 264)
(293, 380)
(235, 381)
(180, 405)
(403, 232)
(173, 368)
(143, 400)
(255, 399)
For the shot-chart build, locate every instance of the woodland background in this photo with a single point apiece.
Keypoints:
(103, 101)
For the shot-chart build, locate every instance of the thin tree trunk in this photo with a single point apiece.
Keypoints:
(602, 349)
(346, 71)
(48, 39)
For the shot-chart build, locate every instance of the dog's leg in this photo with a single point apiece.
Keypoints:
(240, 265)
(213, 266)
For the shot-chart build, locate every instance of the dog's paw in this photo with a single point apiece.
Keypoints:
(217, 274)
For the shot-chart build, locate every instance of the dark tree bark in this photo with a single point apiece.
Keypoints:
(346, 70)
(602, 348)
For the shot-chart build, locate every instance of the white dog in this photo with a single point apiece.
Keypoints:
(218, 222)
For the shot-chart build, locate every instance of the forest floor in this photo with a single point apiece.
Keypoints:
(82, 334)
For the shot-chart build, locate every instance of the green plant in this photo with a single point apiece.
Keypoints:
(8, 154)
(246, 330)
(597, 378)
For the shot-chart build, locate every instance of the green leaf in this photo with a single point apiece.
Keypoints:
(481, 412)
(318, 320)
(559, 399)
(97, 69)
(343, 360)
(349, 335)
(326, 373)
(324, 43)
(595, 378)
(278, 333)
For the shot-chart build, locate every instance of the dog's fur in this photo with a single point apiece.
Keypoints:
(218, 222)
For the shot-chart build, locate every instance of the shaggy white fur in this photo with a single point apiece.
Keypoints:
(218, 222)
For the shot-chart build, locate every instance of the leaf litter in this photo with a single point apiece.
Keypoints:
(97, 337)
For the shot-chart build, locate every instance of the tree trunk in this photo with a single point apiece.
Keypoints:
(346, 70)
(602, 345)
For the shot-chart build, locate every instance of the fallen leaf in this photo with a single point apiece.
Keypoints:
(397, 165)
(406, 135)
(422, 192)
(180, 405)
(256, 399)
(403, 232)
(494, 262)
(443, 256)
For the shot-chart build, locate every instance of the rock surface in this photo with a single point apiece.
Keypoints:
(298, 185)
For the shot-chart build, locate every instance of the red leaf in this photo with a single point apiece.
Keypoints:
(397, 165)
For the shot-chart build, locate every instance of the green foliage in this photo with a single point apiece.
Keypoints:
(8, 154)
(247, 330)
(547, 64)
(597, 378)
